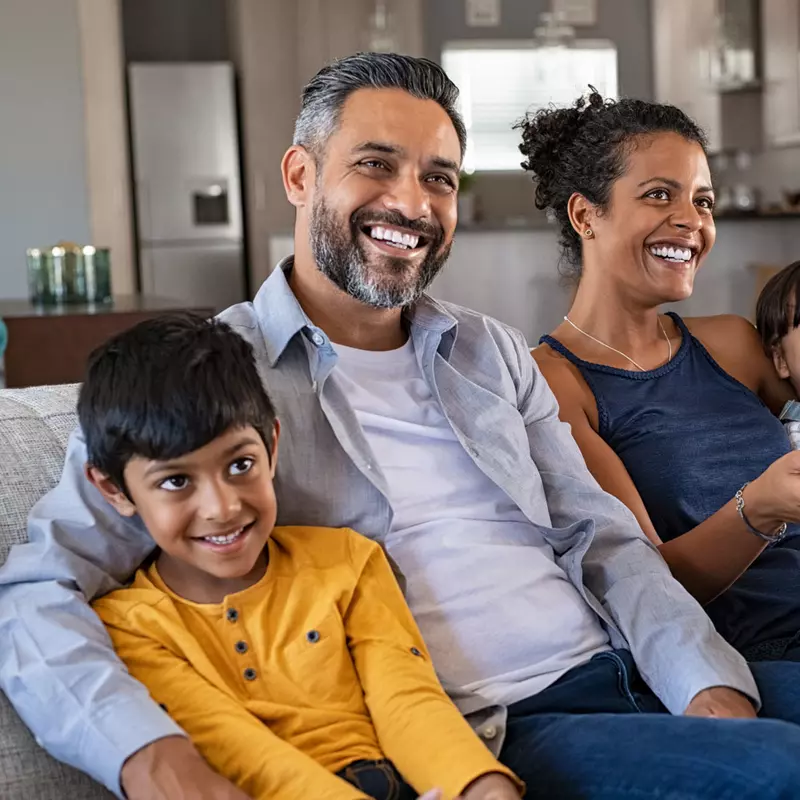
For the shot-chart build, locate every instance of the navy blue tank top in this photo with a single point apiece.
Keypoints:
(690, 436)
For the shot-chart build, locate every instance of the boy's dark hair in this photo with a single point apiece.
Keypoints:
(778, 306)
(584, 149)
(167, 387)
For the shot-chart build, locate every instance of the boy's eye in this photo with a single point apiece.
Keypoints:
(241, 466)
(174, 483)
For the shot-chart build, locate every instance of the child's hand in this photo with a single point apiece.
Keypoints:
(433, 794)
(492, 787)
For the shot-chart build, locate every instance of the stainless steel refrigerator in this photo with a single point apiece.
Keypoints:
(187, 182)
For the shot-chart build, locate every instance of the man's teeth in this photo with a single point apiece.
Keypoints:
(678, 254)
(227, 539)
(406, 240)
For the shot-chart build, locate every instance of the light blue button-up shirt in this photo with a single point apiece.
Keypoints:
(57, 664)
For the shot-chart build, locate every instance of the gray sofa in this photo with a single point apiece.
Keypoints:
(34, 427)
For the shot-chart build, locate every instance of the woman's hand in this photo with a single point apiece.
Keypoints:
(774, 497)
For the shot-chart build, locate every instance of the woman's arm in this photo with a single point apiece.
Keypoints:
(706, 559)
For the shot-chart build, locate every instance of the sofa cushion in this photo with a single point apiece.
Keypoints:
(28, 773)
(34, 427)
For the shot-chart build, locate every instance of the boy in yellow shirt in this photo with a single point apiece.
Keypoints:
(287, 654)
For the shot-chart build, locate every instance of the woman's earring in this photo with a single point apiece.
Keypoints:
(589, 233)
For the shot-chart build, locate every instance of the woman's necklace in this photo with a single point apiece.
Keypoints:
(619, 352)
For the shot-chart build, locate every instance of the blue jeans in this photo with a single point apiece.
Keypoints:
(598, 733)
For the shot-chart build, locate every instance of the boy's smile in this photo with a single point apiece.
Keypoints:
(211, 513)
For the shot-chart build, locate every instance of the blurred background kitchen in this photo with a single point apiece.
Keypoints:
(143, 138)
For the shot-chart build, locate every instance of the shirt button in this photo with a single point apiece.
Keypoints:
(232, 615)
(318, 339)
(241, 647)
(312, 637)
(489, 732)
(415, 652)
(250, 674)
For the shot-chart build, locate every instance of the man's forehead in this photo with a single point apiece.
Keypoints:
(393, 117)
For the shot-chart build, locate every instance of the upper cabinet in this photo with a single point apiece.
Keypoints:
(732, 65)
(684, 37)
(781, 28)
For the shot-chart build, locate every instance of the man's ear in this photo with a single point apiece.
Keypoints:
(778, 359)
(299, 171)
(110, 491)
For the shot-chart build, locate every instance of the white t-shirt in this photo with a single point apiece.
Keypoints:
(497, 613)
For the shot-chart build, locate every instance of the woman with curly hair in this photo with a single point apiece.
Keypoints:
(676, 417)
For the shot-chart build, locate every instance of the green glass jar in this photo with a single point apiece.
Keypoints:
(73, 274)
(51, 275)
(35, 275)
(97, 264)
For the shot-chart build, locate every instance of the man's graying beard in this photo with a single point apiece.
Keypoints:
(341, 258)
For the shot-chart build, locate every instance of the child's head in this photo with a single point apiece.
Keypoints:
(778, 319)
(180, 431)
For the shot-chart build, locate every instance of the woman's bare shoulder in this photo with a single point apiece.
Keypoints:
(728, 334)
(735, 345)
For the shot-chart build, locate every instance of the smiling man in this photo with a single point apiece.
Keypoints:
(552, 621)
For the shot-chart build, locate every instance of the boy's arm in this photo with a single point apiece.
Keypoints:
(57, 666)
(232, 740)
(419, 728)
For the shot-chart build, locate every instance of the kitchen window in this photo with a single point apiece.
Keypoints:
(501, 81)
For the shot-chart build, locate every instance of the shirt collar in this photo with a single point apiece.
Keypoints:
(281, 317)
(279, 314)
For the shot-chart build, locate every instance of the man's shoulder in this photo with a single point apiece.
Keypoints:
(478, 329)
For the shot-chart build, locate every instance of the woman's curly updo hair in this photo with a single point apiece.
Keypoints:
(584, 148)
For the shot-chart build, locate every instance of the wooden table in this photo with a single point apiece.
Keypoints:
(50, 344)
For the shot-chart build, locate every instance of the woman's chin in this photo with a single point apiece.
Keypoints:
(676, 291)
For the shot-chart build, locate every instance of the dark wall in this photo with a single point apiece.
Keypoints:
(175, 30)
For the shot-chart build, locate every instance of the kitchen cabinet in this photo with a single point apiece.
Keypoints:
(781, 26)
(684, 37)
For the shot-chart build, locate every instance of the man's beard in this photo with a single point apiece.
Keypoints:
(375, 279)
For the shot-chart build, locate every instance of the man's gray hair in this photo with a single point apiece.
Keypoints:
(326, 93)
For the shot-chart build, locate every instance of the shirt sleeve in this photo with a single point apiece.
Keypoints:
(57, 665)
(418, 727)
(233, 741)
(675, 645)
